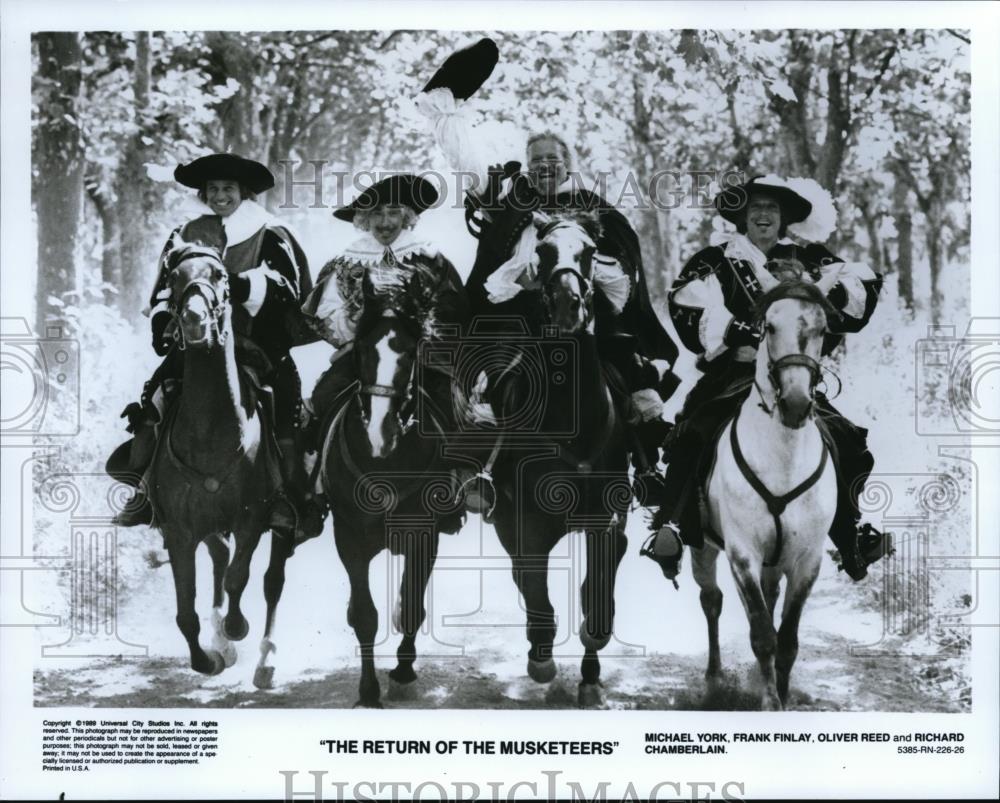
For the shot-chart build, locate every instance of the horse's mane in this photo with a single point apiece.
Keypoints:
(802, 291)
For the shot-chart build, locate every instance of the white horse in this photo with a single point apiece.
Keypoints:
(771, 495)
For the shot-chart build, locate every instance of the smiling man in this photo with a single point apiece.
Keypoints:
(268, 274)
(504, 201)
(712, 306)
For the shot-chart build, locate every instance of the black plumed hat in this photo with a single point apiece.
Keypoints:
(465, 70)
(225, 167)
(399, 190)
(731, 202)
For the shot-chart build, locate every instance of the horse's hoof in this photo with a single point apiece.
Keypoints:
(402, 692)
(591, 643)
(263, 677)
(213, 664)
(591, 695)
(235, 629)
(363, 704)
(229, 654)
(768, 703)
(541, 671)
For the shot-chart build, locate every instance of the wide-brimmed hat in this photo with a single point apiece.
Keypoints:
(465, 70)
(731, 202)
(225, 167)
(400, 190)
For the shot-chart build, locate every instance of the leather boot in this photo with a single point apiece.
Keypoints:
(138, 509)
(308, 510)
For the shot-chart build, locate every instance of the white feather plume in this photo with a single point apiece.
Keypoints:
(822, 220)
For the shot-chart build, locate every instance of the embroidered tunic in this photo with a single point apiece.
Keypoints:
(712, 301)
(410, 276)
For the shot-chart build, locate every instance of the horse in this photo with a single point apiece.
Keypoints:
(771, 493)
(387, 484)
(577, 477)
(212, 473)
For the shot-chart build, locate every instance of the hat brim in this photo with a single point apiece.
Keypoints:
(732, 201)
(403, 190)
(225, 167)
(465, 70)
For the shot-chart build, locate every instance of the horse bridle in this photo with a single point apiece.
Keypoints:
(390, 392)
(217, 303)
(586, 283)
(775, 367)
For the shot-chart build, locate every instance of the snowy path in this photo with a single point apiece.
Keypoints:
(472, 654)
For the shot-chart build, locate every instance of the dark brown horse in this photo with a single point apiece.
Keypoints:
(570, 474)
(388, 486)
(212, 474)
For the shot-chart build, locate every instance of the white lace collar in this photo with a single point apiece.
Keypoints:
(739, 246)
(369, 251)
(248, 218)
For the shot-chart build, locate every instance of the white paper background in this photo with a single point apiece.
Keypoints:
(257, 744)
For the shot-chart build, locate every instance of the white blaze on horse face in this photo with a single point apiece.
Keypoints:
(793, 326)
(569, 308)
(378, 422)
(195, 319)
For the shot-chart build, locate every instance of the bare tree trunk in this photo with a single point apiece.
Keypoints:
(58, 190)
(904, 238)
(934, 257)
(136, 256)
(111, 262)
(795, 134)
(870, 218)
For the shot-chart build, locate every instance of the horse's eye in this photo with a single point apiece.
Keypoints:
(769, 328)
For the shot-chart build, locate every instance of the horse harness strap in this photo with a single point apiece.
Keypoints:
(775, 504)
(209, 482)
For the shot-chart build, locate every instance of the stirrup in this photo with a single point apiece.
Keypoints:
(670, 564)
(870, 546)
(138, 510)
(873, 545)
(463, 494)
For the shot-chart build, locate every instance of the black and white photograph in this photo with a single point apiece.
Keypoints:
(622, 388)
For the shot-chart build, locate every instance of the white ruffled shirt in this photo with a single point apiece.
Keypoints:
(706, 293)
(337, 315)
(468, 153)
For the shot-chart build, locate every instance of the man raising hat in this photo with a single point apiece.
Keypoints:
(501, 206)
(711, 305)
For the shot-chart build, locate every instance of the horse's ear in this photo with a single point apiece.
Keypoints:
(178, 245)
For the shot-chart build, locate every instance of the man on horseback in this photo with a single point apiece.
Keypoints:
(712, 304)
(504, 206)
(387, 269)
(268, 273)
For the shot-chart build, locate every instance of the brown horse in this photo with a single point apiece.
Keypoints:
(576, 475)
(212, 473)
(388, 486)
